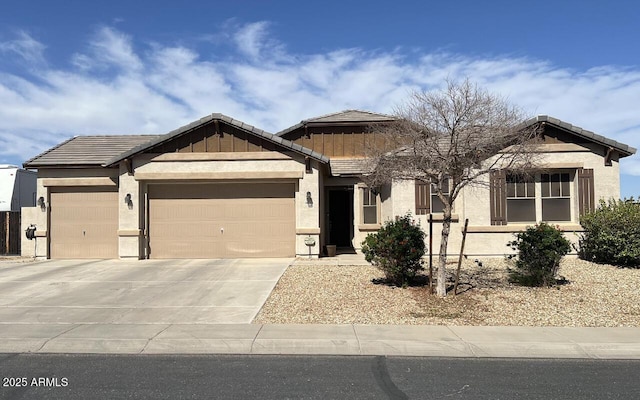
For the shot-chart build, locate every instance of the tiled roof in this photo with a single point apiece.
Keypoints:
(87, 150)
(352, 116)
(348, 166)
(624, 149)
(346, 116)
(110, 149)
(287, 144)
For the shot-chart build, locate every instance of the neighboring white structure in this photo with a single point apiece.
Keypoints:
(17, 188)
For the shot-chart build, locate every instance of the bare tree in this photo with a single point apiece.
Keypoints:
(451, 138)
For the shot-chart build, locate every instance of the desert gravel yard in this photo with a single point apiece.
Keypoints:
(594, 296)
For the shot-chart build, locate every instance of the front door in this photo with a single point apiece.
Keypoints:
(340, 217)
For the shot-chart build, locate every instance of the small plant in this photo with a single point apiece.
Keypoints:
(540, 249)
(396, 249)
(612, 234)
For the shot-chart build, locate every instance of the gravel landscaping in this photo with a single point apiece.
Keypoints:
(594, 295)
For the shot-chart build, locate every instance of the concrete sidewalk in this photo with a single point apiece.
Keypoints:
(436, 341)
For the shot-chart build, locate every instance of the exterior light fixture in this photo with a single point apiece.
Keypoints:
(309, 199)
(41, 203)
(127, 198)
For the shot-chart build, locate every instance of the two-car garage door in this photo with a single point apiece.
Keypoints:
(229, 220)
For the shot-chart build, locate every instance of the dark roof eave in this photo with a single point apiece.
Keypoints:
(59, 165)
(320, 123)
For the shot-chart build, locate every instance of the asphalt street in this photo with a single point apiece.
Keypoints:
(60, 376)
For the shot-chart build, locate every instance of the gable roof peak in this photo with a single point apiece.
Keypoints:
(624, 149)
(286, 144)
(350, 115)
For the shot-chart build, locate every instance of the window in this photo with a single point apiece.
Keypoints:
(556, 197)
(521, 199)
(369, 206)
(545, 197)
(437, 206)
(427, 201)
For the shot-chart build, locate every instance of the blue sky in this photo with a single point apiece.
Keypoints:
(77, 67)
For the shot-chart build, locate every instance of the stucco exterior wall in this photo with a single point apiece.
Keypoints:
(308, 212)
(146, 165)
(360, 231)
(28, 216)
(129, 228)
(403, 199)
(40, 219)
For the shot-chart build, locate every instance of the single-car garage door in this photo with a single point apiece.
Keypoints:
(221, 220)
(84, 222)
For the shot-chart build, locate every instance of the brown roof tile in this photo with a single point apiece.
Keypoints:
(352, 116)
(348, 166)
(87, 150)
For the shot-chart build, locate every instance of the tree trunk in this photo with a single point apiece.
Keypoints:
(441, 289)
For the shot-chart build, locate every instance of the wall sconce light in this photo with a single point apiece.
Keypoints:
(41, 203)
(309, 199)
(128, 200)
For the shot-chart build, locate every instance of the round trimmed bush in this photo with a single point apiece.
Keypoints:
(540, 249)
(396, 249)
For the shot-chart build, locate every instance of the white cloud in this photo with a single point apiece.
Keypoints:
(118, 85)
(109, 48)
(25, 47)
(254, 42)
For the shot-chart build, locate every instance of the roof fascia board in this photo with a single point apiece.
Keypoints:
(347, 123)
(68, 166)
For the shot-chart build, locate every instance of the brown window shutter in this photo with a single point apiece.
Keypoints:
(423, 197)
(586, 197)
(498, 194)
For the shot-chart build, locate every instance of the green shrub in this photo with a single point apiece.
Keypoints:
(396, 249)
(612, 234)
(540, 249)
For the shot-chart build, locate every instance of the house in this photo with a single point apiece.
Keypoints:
(220, 188)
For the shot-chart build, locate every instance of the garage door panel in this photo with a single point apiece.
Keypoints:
(222, 220)
(185, 248)
(84, 223)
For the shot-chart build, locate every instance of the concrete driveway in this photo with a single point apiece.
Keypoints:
(136, 292)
